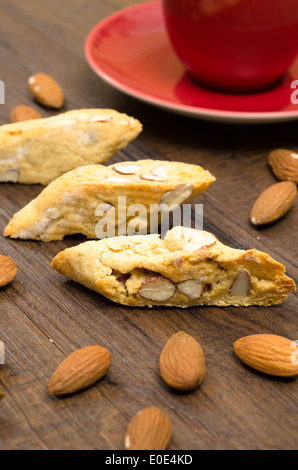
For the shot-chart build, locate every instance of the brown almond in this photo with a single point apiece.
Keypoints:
(24, 113)
(1, 396)
(182, 362)
(270, 354)
(151, 429)
(8, 270)
(284, 164)
(274, 203)
(80, 370)
(46, 90)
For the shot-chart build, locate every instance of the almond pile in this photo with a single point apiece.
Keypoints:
(182, 367)
(46, 91)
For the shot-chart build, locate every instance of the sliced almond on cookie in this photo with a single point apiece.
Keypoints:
(200, 240)
(158, 174)
(126, 168)
(191, 240)
(160, 171)
(151, 177)
(178, 195)
(99, 119)
(117, 179)
(158, 289)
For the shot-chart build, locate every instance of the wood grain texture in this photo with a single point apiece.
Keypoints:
(44, 317)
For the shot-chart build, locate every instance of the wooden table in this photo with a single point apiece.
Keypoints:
(44, 317)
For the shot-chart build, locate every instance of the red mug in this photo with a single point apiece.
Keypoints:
(238, 46)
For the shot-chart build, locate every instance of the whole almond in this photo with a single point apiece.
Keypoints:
(80, 370)
(151, 429)
(270, 354)
(8, 270)
(274, 203)
(1, 396)
(182, 362)
(284, 164)
(24, 113)
(46, 90)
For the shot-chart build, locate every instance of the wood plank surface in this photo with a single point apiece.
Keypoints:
(44, 317)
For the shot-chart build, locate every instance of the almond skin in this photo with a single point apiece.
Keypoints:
(46, 90)
(182, 362)
(274, 203)
(8, 270)
(80, 370)
(24, 113)
(151, 429)
(242, 284)
(270, 354)
(284, 164)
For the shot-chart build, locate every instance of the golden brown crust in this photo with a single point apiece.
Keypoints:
(119, 268)
(41, 150)
(70, 204)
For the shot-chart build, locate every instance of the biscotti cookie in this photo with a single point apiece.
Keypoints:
(41, 150)
(187, 268)
(79, 200)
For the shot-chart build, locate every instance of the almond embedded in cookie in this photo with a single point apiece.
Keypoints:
(143, 271)
(100, 202)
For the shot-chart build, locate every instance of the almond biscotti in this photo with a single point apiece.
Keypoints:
(84, 200)
(187, 268)
(41, 150)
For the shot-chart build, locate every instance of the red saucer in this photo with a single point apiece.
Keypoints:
(132, 52)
